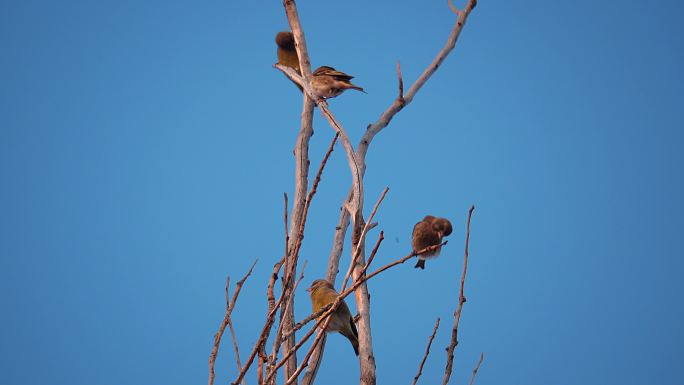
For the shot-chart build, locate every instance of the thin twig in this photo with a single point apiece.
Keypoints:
(461, 301)
(227, 292)
(477, 367)
(317, 180)
(453, 8)
(427, 352)
(362, 237)
(305, 361)
(357, 198)
(287, 231)
(235, 346)
(401, 83)
(263, 336)
(279, 331)
(324, 320)
(381, 237)
(226, 320)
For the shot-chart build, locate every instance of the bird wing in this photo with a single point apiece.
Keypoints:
(330, 71)
(353, 327)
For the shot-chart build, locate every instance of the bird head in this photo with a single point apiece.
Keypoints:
(318, 284)
(285, 39)
(442, 226)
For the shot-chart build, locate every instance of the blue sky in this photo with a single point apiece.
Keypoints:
(145, 147)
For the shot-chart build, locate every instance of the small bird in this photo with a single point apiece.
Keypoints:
(322, 293)
(429, 232)
(287, 54)
(328, 82)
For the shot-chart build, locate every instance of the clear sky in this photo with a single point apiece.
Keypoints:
(145, 147)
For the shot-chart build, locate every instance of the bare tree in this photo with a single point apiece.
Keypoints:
(283, 354)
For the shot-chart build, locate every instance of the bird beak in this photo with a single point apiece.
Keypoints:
(309, 290)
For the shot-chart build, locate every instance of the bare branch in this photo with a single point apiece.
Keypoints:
(263, 359)
(317, 180)
(397, 106)
(356, 203)
(477, 367)
(287, 231)
(427, 352)
(401, 84)
(235, 346)
(461, 301)
(279, 332)
(263, 336)
(260, 367)
(362, 237)
(230, 305)
(453, 8)
(297, 216)
(381, 237)
(305, 361)
(301, 153)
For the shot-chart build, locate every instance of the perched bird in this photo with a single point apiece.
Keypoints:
(429, 232)
(287, 54)
(328, 82)
(322, 293)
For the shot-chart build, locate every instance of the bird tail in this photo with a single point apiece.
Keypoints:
(420, 264)
(353, 87)
(353, 339)
(352, 335)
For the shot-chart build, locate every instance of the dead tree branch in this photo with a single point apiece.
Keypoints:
(461, 301)
(362, 237)
(477, 367)
(427, 352)
(230, 305)
(302, 167)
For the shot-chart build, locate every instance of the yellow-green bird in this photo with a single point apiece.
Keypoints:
(287, 54)
(322, 293)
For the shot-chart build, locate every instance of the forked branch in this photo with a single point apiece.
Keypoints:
(230, 305)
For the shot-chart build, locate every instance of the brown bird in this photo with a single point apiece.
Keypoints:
(287, 54)
(322, 293)
(429, 232)
(328, 82)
